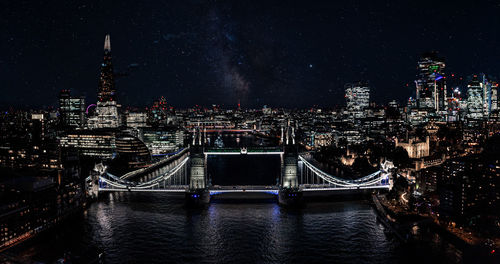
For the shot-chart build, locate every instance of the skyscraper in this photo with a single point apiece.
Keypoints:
(106, 91)
(494, 97)
(490, 99)
(475, 106)
(430, 83)
(107, 108)
(71, 110)
(357, 98)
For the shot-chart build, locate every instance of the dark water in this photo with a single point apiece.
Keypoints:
(158, 228)
(146, 228)
(136, 227)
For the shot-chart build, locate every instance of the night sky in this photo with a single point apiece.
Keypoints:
(275, 53)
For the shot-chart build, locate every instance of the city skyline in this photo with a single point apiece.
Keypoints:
(218, 56)
(250, 132)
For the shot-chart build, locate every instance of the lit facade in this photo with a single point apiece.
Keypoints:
(133, 150)
(430, 83)
(107, 115)
(416, 150)
(71, 110)
(162, 141)
(90, 144)
(357, 98)
(136, 120)
(475, 105)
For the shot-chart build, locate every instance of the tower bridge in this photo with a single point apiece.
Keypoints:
(186, 172)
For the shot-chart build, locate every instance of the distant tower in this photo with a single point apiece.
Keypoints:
(106, 90)
(430, 83)
(357, 99)
(71, 110)
(107, 107)
(475, 105)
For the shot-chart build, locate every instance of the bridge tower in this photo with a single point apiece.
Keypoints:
(289, 192)
(197, 192)
(92, 182)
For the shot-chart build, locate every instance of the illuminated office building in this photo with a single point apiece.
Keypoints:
(430, 83)
(98, 144)
(494, 97)
(71, 110)
(136, 120)
(475, 105)
(162, 141)
(133, 150)
(490, 93)
(357, 98)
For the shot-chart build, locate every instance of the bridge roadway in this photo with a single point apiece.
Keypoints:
(213, 190)
(272, 189)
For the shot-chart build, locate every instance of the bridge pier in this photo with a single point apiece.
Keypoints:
(197, 193)
(289, 193)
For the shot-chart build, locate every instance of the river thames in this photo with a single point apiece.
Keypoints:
(159, 228)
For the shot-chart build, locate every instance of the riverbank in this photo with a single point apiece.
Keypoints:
(413, 229)
(39, 248)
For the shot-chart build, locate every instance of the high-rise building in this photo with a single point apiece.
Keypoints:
(136, 119)
(430, 83)
(162, 140)
(106, 90)
(98, 144)
(475, 105)
(490, 93)
(107, 108)
(71, 110)
(494, 97)
(159, 112)
(455, 105)
(357, 98)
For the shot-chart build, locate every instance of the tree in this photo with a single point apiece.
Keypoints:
(400, 157)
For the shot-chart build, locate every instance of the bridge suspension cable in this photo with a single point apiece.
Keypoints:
(373, 180)
(170, 176)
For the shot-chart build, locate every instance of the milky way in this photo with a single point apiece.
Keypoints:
(275, 53)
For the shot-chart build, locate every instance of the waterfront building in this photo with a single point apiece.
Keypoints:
(26, 208)
(90, 143)
(162, 140)
(132, 150)
(33, 201)
(467, 187)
